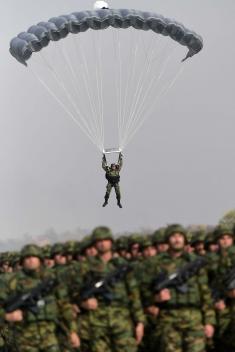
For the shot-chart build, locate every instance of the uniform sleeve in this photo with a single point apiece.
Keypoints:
(206, 299)
(120, 162)
(136, 308)
(104, 163)
(66, 312)
(149, 272)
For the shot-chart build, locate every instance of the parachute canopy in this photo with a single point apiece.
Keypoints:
(37, 37)
(106, 77)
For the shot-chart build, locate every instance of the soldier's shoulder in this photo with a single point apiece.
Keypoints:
(117, 261)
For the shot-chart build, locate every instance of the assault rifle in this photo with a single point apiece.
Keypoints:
(32, 300)
(227, 284)
(102, 287)
(180, 277)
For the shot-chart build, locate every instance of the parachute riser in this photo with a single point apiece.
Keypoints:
(112, 151)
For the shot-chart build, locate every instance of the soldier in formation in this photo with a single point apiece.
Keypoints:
(173, 290)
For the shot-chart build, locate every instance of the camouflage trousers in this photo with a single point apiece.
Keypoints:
(109, 189)
(111, 330)
(181, 330)
(36, 337)
(226, 330)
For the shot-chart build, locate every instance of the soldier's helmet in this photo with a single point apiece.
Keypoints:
(222, 230)
(146, 242)
(69, 247)
(57, 248)
(86, 242)
(121, 243)
(135, 238)
(173, 229)
(210, 239)
(31, 250)
(101, 233)
(197, 237)
(5, 258)
(158, 236)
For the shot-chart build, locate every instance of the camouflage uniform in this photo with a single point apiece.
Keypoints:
(112, 323)
(113, 177)
(181, 320)
(37, 331)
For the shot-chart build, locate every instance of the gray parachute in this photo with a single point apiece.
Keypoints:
(39, 36)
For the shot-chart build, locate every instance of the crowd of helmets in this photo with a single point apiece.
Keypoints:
(200, 240)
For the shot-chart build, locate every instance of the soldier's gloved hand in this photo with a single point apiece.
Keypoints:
(15, 316)
(231, 294)
(139, 332)
(163, 296)
(90, 304)
(220, 305)
(209, 331)
(152, 310)
(75, 340)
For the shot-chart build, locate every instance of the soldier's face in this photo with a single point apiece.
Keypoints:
(113, 167)
(226, 241)
(162, 247)
(91, 252)
(177, 242)
(32, 263)
(104, 246)
(149, 251)
(60, 259)
(213, 248)
(199, 248)
(48, 262)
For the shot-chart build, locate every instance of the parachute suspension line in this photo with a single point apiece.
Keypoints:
(99, 84)
(92, 116)
(118, 80)
(138, 111)
(120, 87)
(76, 87)
(59, 101)
(139, 90)
(132, 63)
(163, 92)
(86, 80)
(142, 100)
(61, 84)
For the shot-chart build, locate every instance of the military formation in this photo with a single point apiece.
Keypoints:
(170, 291)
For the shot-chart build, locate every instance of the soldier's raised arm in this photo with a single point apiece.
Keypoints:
(104, 163)
(120, 161)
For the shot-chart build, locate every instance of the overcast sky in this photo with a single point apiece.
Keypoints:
(179, 167)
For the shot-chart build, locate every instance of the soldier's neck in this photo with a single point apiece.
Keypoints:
(175, 254)
(106, 257)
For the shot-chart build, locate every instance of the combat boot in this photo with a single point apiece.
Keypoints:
(106, 198)
(119, 202)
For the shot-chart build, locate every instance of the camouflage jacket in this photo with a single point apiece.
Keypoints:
(55, 305)
(198, 294)
(125, 293)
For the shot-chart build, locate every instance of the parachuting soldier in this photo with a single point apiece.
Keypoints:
(113, 177)
(185, 319)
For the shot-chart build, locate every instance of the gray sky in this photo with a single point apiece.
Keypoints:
(180, 167)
